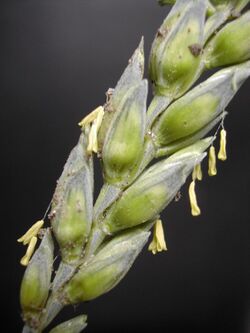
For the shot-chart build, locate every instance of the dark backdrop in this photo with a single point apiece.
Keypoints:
(58, 57)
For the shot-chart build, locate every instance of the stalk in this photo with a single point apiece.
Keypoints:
(147, 152)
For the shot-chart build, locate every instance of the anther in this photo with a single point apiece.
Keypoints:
(158, 243)
(195, 210)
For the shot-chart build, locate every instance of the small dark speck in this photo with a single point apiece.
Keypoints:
(162, 32)
(159, 33)
(195, 49)
(235, 14)
(177, 196)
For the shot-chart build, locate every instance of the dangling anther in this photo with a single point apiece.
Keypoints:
(197, 172)
(195, 210)
(158, 243)
(212, 171)
(30, 250)
(222, 155)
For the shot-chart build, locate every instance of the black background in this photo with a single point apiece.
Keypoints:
(58, 57)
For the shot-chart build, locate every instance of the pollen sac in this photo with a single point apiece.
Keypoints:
(222, 155)
(153, 190)
(73, 203)
(212, 170)
(36, 281)
(107, 268)
(158, 243)
(197, 172)
(231, 45)
(30, 250)
(74, 325)
(191, 116)
(195, 210)
(175, 57)
(93, 133)
(32, 232)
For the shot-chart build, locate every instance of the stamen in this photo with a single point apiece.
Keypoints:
(93, 140)
(30, 250)
(91, 116)
(158, 243)
(212, 171)
(222, 155)
(195, 210)
(32, 232)
(197, 172)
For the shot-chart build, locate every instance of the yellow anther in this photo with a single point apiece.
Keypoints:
(32, 232)
(197, 172)
(158, 243)
(212, 171)
(93, 142)
(195, 210)
(91, 116)
(30, 250)
(222, 155)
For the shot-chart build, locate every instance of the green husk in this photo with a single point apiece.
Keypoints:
(152, 192)
(72, 203)
(231, 45)
(201, 106)
(175, 57)
(36, 281)
(74, 325)
(106, 269)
